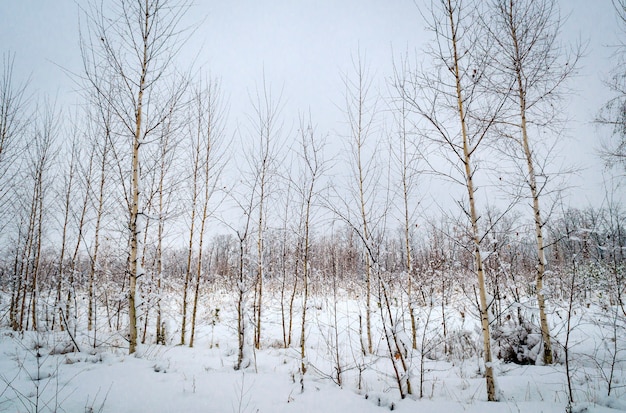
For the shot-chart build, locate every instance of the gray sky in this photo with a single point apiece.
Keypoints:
(304, 47)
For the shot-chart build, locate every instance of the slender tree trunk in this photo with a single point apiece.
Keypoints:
(534, 191)
(311, 154)
(469, 182)
(43, 152)
(22, 273)
(259, 286)
(188, 271)
(198, 277)
(38, 236)
(366, 234)
(16, 282)
(407, 243)
(266, 114)
(146, 304)
(284, 252)
(160, 339)
(66, 217)
(293, 293)
(96, 242)
(27, 258)
(283, 285)
(545, 329)
(133, 262)
(396, 350)
(241, 337)
(74, 263)
(305, 286)
(359, 133)
(193, 207)
(209, 121)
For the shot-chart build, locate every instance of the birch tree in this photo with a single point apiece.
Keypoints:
(266, 130)
(360, 110)
(14, 118)
(37, 176)
(460, 119)
(243, 267)
(313, 166)
(613, 114)
(100, 122)
(196, 135)
(211, 126)
(66, 204)
(163, 207)
(534, 66)
(406, 147)
(133, 45)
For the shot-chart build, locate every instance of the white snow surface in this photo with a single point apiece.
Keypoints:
(175, 378)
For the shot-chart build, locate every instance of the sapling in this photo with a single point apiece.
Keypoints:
(566, 347)
(398, 350)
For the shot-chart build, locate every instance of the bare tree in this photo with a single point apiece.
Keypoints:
(40, 157)
(133, 46)
(81, 215)
(196, 136)
(534, 67)
(406, 150)
(166, 185)
(101, 124)
(613, 113)
(460, 118)
(14, 118)
(360, 110)
(243, 267)
(288, 264)
(211, 124)
(68, 188)
(266, 129)
(313, 166)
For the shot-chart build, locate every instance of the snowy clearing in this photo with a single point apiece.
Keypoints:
(42, 372)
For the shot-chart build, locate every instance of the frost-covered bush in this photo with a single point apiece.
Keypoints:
(462, 344)
(517, 343)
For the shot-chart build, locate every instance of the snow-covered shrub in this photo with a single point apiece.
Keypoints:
(462, 344)
(517, 343)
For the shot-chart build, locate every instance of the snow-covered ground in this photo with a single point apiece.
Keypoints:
(42, 372)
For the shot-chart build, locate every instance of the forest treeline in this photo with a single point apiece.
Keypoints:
(590, 241)
(143, 191)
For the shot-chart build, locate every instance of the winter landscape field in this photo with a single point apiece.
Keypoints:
(235, 207)
(45, 371)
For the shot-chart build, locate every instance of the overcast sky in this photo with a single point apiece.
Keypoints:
(304, 47)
